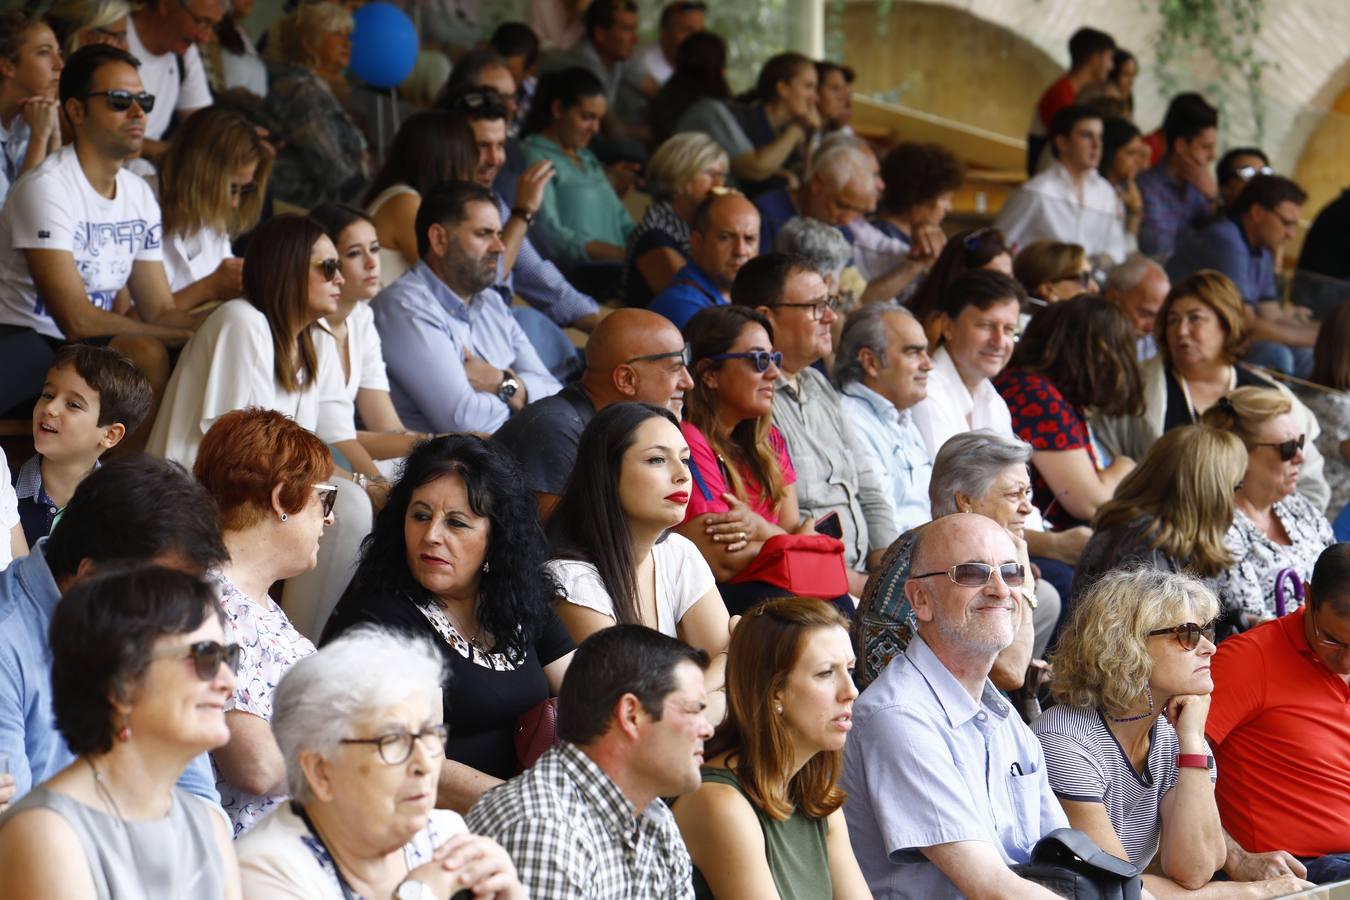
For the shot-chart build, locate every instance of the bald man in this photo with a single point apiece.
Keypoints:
(723, 236)
(633, 355)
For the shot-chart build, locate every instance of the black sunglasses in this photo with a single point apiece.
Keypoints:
(683, 354)
(206, 657)
(327, 497)
(762, 358)
(120, 100)
(1287, 449)
(330, 268)
(974, 574)
(1188, 633)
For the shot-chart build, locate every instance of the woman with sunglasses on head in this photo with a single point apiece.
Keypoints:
(1202, 335)
(79, 23)
(1124, 745)
(211, 185)
(983, 248)
(1275, 527)
(269, 478)
(140, 673)
(1052, 272)
(359, 726)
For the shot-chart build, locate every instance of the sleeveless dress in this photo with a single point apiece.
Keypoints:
(795, 850)
(176, 856)
(392, 262)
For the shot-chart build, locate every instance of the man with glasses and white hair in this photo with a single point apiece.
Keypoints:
(1279, 724)
(947, 787)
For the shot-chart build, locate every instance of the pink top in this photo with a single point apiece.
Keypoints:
(710, 484)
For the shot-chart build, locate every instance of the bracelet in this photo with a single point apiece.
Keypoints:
(523, 213)
(360, 479)
(1194, 761)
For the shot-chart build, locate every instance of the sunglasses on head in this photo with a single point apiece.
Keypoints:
(1247, 173)
(206, 657)
(1188, 633)
(120, 101)
(1287, 449)
(974, 574)
(329, 268)
(762, 358)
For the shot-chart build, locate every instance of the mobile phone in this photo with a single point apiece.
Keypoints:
(829, 524)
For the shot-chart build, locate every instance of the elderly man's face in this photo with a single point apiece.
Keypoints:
(1143, 303)
(855, 200)
(974, 621)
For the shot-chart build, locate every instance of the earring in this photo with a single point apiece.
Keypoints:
(486, 567)
(284, 517)
(124, 733)
(778, 709)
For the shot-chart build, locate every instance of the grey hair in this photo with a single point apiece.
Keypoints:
(365, 671)
(820, 244)
(840, 164)
(968, 463)
(1128, 275)
(865, 328)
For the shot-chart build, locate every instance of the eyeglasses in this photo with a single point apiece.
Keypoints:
(1188, 634)
(206, 657)
(1322, 639)
(975, 574)
(397, 747)
(762, 358)
(1291, 224)
(684, 355)
(120, 101)
(487, 101)
(817, 307)
(1082, 278)
(329, 268)
(243, 190)
(327, 497)
(1247, 173)
(1287, 449)
(119, 38)
(202, 23)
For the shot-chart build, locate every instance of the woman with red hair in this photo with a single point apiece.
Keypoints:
(268, 477)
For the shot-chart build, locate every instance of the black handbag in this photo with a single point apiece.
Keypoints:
(1070, 864)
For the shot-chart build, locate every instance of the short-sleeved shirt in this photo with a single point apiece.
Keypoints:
(173, 90)
(1280, 720)
(543, 437)
(188, 258)
(486, 692)
(9, 511)
(54, 207)
(269, 645)
(37, 510)
(691, 291)
(710, 481)
(682, 579)
(926, 764)
(365, 354)
(1085, 763)
(1045, 420)
(715, 118)
(660, 228)
(1058, 95)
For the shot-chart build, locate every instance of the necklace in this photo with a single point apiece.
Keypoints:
(101, 788)
(1150, 712)
(475, 642)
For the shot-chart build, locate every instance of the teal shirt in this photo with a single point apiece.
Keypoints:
(579, 205)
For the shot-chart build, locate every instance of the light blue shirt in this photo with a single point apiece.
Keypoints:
(891, 439)
(28, 596)
(424, 328)
(927, 765)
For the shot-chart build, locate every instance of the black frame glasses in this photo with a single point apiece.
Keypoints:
(120, 100)
(762, 359)
(1082, 278)
(978, 574)
(1287, 449)
(206, 657)
(330, 268)
(390, 746)
(1188, 633)
(327, 497)
(684, 355)
(817, 307)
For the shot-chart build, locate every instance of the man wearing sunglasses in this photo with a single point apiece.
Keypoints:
(1237, 167)
(1279, 724)
(163, 35)
(723, 237)
(947, 786)
(634, 355)
(79, 230)
(1245, 245)
(131, 510)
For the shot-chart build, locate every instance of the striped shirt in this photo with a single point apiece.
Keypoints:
(1086, 763)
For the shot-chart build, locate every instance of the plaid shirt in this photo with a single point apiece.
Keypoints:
(1170, 207)
(573, 836)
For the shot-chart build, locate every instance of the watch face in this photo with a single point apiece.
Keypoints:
(413, 890)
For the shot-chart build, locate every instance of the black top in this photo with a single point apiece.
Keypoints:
(754, 121)
(543, 437)
(481, 704)
(1326, 249)
(1179, 412)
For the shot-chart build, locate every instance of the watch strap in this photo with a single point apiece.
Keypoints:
(1194, 761)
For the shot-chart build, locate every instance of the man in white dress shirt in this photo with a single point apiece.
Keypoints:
(1070, 201)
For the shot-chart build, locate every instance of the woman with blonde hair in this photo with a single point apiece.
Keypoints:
(79, 23)
(323, 152)
(768, 820)
(1202, 335)
(1053, 272)
(1275, 527)
(211, 185)
(680, 175)
(1125, 747)
(1172, 513)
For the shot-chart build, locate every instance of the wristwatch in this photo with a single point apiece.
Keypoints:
(414, 890)
(1194, 761)
(524, 214)
(509, 387)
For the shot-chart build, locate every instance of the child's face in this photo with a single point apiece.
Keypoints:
(65, 420)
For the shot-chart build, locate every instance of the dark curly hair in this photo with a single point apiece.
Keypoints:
(916, 174)
(515, 595)
(102, 636)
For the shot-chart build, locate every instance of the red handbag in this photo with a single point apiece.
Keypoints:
(807, 565)
(536, 732)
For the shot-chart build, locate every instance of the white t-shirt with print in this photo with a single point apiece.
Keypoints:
(159, 74)
(54, 207)
(682, 577)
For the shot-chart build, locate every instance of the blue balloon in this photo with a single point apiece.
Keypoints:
(384, 45)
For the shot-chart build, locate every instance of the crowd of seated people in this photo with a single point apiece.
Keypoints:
(606, 485)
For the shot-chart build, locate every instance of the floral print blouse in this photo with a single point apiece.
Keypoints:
(1249, 584)
(269, 645)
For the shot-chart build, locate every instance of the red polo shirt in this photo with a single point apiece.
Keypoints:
(1279, 724)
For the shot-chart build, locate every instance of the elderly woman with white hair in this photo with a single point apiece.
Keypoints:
(680, 174)
(359, 724)
(1125, 747)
